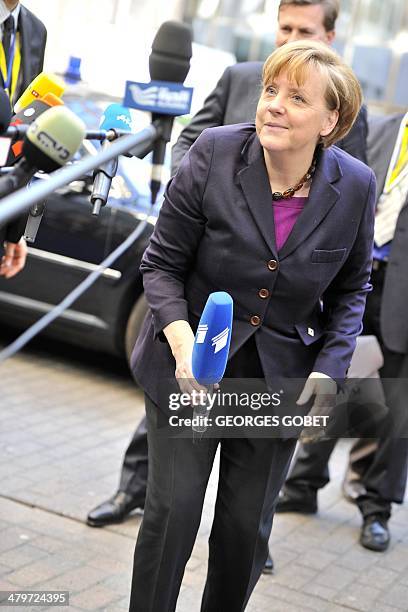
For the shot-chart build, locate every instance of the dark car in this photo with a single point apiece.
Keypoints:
(71, 243)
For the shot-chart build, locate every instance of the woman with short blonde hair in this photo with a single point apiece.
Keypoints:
(343, 91)
(283, 222)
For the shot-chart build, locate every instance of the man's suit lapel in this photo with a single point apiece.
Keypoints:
(257, 191)
(27, 47)
(382, 134)
(322, 197)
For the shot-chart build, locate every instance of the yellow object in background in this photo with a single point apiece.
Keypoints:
(42, 85)
(399, 160)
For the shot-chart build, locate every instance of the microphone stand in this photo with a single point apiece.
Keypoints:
(16, 132)
(164, 125)
(22, 200)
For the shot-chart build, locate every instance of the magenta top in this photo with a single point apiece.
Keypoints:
(285, 213)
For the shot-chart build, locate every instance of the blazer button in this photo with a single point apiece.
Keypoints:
(263, 293)
(255, 320)
(272, 265)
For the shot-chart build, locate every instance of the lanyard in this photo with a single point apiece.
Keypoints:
(9, 73)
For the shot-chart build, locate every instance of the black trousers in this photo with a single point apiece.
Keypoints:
(251, 474)
(133, 477)
(384, 472)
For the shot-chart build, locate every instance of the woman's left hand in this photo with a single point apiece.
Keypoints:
(324, 389)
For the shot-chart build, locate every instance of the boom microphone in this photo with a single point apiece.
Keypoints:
(38, 88)
(211, 345)
(171, 52)
(51, 141)
(118, 119)
(168, 61)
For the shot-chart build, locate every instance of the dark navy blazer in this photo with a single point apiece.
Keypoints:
(216, 232)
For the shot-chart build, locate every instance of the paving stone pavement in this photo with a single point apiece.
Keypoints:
(64, 426)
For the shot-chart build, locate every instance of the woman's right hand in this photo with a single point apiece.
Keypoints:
(180, 337)
(183, 373)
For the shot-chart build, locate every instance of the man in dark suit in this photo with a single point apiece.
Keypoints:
(235, 97)
(22, 57)
(233, 101)
(384, 477)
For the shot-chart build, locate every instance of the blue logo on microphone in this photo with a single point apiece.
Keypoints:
(162, 97)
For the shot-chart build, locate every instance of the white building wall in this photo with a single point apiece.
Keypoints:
(113, 37)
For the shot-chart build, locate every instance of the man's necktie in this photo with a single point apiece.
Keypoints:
(8, 31)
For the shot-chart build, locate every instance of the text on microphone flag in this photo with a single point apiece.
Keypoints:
(144, 96)
(124, 119)
(163, 97)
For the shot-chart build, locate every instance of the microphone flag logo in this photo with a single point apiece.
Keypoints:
(220, 341)
(144, 96)
(124, 119)
(163, 97)
(201, 333)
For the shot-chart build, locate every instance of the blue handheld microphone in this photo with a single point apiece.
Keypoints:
(211, 346)
(117, 119)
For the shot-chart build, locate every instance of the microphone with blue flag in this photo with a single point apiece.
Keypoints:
(211, 348)
(165, 96)
(116, 119)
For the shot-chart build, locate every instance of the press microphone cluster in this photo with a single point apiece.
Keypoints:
(169, 61)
